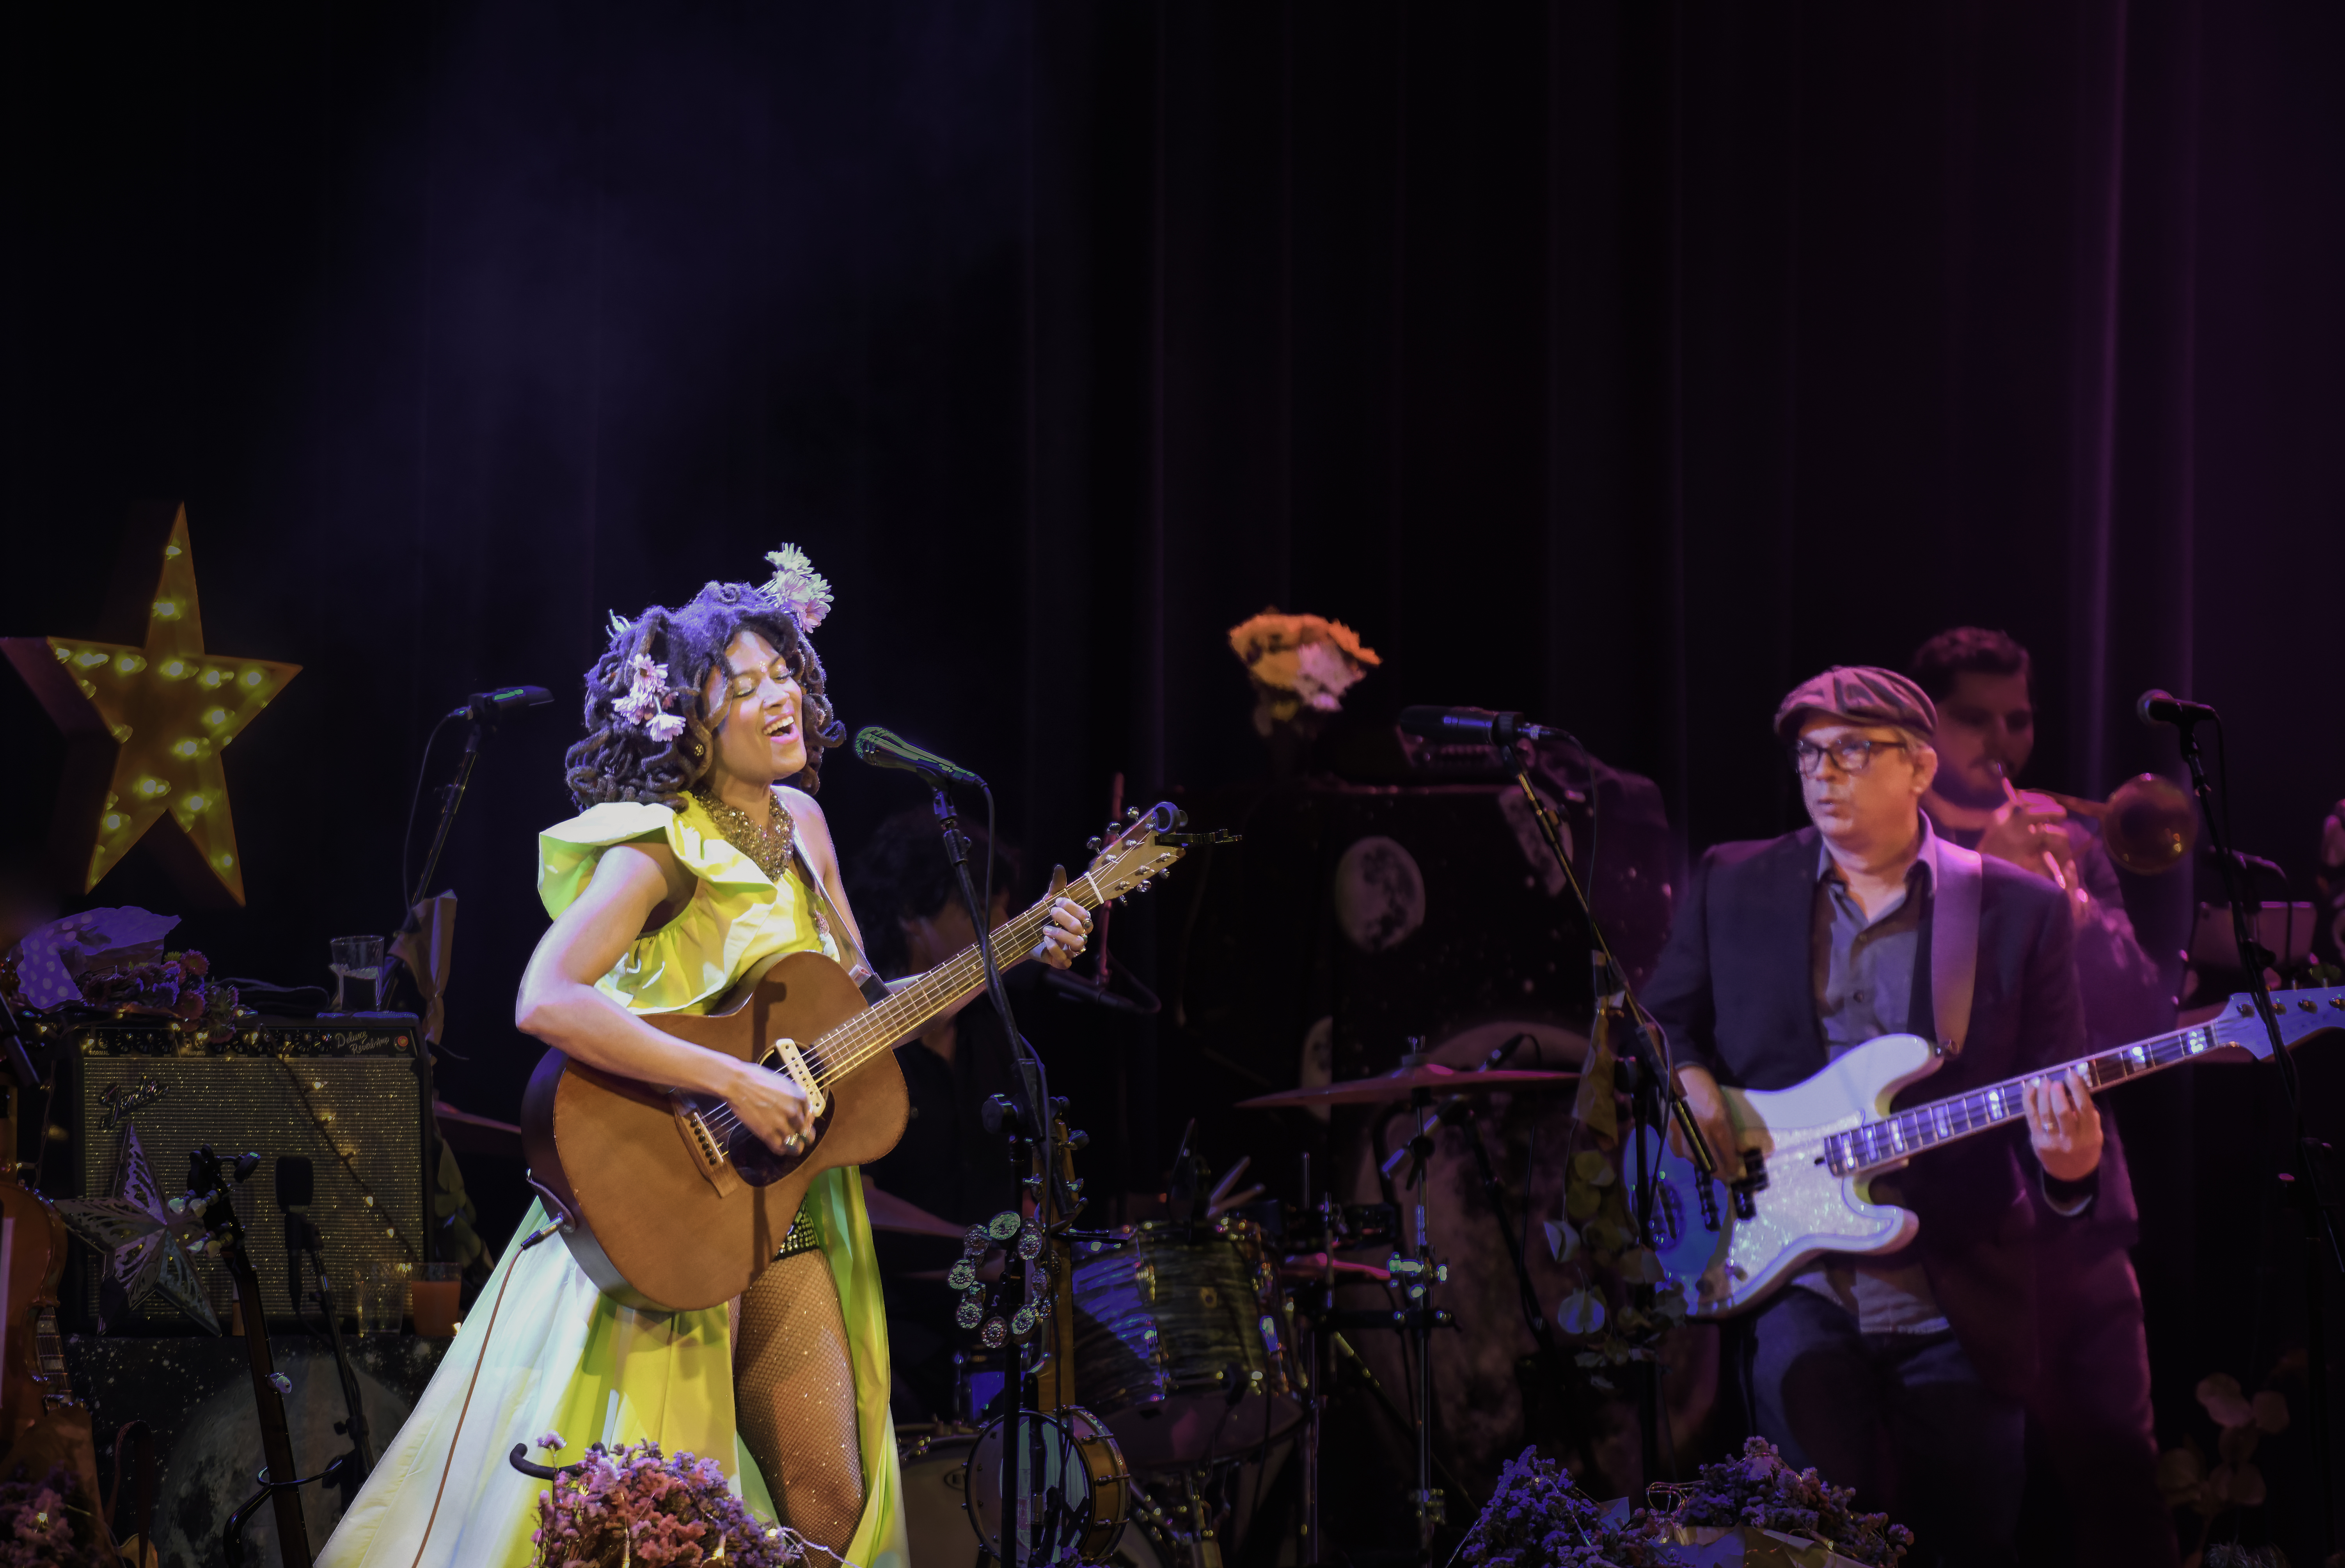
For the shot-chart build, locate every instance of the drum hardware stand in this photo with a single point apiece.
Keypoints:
(1318, 1327)
(1420, 1272)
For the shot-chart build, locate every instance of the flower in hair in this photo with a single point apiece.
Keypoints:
(646, 703)
(798, 587)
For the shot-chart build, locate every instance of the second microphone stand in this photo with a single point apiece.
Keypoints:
(2305, 1185)
(1656, 1092)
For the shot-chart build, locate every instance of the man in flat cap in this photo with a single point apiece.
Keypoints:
(1901, 1374)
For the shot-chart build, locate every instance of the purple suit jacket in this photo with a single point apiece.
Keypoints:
(1734, 993)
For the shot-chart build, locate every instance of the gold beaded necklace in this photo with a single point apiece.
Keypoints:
(768, 848)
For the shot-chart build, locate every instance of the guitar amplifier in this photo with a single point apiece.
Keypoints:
(343, 1093)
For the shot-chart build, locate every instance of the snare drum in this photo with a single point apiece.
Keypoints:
(1180, 1342)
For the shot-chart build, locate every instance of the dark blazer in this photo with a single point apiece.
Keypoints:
(1734, 994)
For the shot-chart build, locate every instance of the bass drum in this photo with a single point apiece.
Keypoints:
(944, 1533)
(1180, 1342)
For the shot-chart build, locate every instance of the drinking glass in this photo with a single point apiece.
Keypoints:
(437, 1291)
(358, 974)
(382, 1298)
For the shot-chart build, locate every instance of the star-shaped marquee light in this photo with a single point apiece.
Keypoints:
(171, 706)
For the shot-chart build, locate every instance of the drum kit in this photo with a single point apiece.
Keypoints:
(1202, 1350)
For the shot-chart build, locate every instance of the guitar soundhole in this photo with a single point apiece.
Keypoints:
(759, 1166)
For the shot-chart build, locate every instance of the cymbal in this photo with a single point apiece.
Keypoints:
(888, 1212)
(1312, 1265)
(1403, 1082)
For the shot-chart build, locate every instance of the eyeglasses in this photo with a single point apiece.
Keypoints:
(1852, 754)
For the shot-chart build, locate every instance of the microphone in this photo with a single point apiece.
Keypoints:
(2156, 707)
(1474, 726)
(296, 1188)
(885, 749)
(504, 699)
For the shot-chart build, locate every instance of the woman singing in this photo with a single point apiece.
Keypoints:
(699, 855)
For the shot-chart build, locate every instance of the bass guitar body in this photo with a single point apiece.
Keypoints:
(663, 1201)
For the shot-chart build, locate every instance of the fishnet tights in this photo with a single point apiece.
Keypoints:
(793, 1397)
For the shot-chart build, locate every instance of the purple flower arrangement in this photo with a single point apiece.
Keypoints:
(1760, 1489)
(42, 1527)
(1538, 1519)
(635, 1507)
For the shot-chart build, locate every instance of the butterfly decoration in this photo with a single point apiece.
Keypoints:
(145, 1242)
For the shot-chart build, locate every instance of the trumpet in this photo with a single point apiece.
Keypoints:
(2149, 824)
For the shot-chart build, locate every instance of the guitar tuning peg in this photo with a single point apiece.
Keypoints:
(1122, 900)
(1143, 884)
(1132, 815)
(1093, 844)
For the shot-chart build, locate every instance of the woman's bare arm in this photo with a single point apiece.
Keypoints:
(559, 1004)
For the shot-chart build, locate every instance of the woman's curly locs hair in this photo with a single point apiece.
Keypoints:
(620, 760)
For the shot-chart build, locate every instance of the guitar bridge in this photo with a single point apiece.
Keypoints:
(706, 1152)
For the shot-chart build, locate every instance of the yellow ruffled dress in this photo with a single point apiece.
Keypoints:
(563, 1357)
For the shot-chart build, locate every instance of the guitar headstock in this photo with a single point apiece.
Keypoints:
(1142, 849)
(2302, 1014)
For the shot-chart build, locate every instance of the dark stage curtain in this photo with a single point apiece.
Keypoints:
(1621, 363)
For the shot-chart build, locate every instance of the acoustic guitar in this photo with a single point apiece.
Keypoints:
(666, 1199)
(41, 1423)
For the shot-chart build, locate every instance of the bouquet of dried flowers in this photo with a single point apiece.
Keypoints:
(635, 1507)
(1759, 1489)
(1538, 1519)
(1301, 665)
(180, 985)
(41, 1525)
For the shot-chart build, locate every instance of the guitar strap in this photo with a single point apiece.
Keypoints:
(827, 918)
(1953, 941)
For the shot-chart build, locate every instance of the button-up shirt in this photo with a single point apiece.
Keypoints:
(1862, 967)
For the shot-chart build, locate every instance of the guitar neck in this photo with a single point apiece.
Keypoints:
(1899, 1137)
(904, 1013)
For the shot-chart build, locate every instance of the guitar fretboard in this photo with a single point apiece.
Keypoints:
(835, 1054)
(1908, 1132)
(865, 1036)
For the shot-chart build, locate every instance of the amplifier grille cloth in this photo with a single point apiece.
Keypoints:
(239, 1104)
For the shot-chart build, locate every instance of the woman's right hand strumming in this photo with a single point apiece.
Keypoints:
(771, 1105)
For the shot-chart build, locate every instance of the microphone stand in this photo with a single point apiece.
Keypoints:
(1650, 1078)
(2305, 1187)
(1023, 1473)
(451, 800)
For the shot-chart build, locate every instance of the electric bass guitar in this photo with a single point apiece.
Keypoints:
(1809, 1152)
(666, 1199)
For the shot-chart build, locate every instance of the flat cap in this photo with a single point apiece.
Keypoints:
(1860, 694)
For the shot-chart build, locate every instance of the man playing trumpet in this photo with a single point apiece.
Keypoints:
(2089, 1403)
